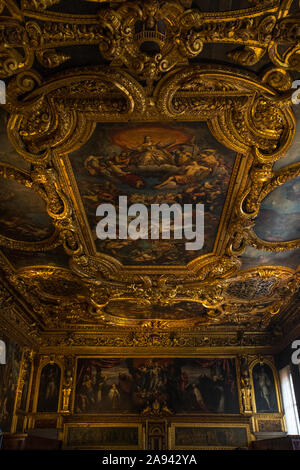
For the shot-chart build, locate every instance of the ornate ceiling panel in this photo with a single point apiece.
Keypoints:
(153, 164)
(161, 102)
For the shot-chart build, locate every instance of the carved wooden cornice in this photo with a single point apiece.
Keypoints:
(121, 28)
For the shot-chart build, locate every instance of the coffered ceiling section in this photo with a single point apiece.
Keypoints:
(156, 102)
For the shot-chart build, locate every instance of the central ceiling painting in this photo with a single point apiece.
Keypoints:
(153, 164)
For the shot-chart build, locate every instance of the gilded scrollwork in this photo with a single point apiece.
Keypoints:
(68, 383)
(151, 71)
(160, 339)
(38, 4)
(245, 386)
(51, 58)
(277, 78)
(6, 297)
(15, 52)
(286, 33)
(177, 33)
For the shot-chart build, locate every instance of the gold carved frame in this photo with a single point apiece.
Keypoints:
(276, 384)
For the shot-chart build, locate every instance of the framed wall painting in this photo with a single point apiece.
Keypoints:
(103, 436)
(181, 385)
(209, 436)
(265, 389)
(49, 389)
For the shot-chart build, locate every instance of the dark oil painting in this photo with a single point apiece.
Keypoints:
(9, 374)
(211, 437)
(180, 385)
(30, 221)
(103, 436)
(21, 259)
(153, 164)
(23, 214)
(49, 388)
(264, 389)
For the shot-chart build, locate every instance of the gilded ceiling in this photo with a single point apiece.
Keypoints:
(171, 101)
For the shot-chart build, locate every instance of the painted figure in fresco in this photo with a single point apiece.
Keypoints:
(183, 381)
(264, 385)
(155, 377)
(91, 396)
(101, 386)
(149, 153)
(264, 388)
(219, 388)
(114, 397)
(115, 170)
(199, 398)
(87, 388)
(51, 389)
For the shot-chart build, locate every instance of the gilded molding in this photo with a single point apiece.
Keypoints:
(121, 31)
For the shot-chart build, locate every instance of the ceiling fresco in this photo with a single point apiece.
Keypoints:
(153, 164)
(253, 257)
(279, 217)
(204, 113)
(23, 215)
(54, 257)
